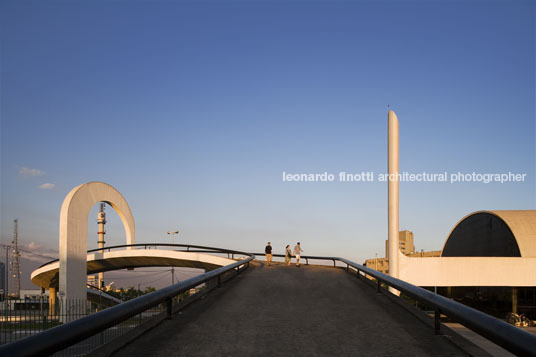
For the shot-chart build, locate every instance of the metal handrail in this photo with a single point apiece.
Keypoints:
(503, 334)
(306, 257)
(199, 249)
(63, 336)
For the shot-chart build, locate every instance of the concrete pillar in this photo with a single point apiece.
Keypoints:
(392, 165)
(73, 238)
(52, 301)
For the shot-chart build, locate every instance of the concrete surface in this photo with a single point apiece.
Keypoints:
(47, 276)
(480, 271)
(468, 271)
(480, 341)
(284, 311)
(73, 233)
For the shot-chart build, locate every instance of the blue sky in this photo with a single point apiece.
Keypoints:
(193, 110)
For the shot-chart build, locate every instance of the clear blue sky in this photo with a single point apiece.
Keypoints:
(193, 110)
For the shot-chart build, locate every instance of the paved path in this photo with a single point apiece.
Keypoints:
(485, 344)
(290, 311)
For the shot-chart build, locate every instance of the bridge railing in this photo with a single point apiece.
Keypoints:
(185, 248)
(303, 257)
(68, 334)
(503, 334)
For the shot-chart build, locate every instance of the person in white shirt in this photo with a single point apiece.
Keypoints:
(297, 251)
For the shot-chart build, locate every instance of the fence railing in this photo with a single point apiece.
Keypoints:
(21, 318)
(509, 337)
(97, 328)
(303, 257)
(186, 248)
(27, 316)
(503, 334)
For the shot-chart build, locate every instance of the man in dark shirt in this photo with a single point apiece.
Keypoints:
(268, 252)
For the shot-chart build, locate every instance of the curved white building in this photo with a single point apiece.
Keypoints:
(485, 248)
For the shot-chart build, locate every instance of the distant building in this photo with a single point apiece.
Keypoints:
(407, 247)
(405, 240)
(487, 262)
(3, 279)
(93, 280)
(32, 294)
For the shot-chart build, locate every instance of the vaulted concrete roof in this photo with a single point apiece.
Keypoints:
(489, 232)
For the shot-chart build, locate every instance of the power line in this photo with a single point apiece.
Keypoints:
(142, 275)
(152, 281)
(37, 254)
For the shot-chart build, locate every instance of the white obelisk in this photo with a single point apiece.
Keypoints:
(392, 166)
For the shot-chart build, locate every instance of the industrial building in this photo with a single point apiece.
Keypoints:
(407, 247)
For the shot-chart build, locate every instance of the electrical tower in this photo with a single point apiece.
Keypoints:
(15, 260)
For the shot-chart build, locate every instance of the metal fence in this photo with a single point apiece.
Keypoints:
(85, 334)
(20, 318)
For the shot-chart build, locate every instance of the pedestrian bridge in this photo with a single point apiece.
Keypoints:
(137, 256)
(293, 311)
(248, 308)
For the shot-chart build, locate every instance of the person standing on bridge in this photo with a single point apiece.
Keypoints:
(297, 252)
(288, 254)
(268, 253)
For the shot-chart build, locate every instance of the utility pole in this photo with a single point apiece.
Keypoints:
(172, 267)
(6, 293)
(15, 261)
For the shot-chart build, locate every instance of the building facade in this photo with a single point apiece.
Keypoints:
(407, 247)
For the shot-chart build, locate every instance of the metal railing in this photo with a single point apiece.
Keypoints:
(20, 318)
(500, 332)
(303, 257)
(188, 248)
(63, 336)
(503, 334)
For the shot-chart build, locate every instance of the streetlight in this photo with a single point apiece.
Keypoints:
(172, 267)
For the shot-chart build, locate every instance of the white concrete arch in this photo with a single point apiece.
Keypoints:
(73, 232)
(522, 224)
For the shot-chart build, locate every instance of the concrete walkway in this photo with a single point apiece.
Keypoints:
(291, 311)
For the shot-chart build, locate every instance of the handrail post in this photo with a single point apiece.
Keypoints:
(437, 324)
(347, 267)
(219, 281)
(334, 263)
(169, 308)
(358, 273)
(379, 286)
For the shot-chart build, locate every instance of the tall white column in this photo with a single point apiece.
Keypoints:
(101, 221)
(392, 163)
